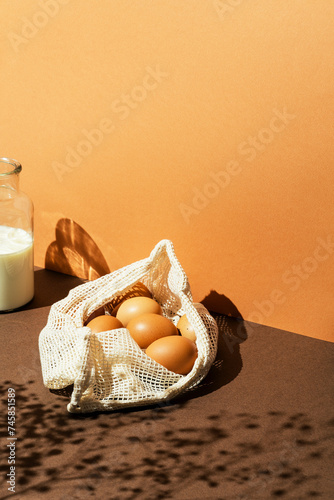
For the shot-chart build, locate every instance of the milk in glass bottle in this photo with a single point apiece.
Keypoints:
(16, 239)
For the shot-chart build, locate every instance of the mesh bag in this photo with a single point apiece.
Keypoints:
(108, 370)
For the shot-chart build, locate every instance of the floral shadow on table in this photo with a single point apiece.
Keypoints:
(74, 252)
(274, 454)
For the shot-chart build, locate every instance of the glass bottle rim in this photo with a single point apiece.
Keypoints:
(10, 161)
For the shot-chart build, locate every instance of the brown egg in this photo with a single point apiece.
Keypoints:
(186, 329)
(137, 290)
(176, 353)
(136, 306)
(104, 323)
(147, 328)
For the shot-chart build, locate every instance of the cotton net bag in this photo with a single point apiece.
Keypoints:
(108, 370)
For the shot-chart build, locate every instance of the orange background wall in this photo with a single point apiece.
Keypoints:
(205, 122)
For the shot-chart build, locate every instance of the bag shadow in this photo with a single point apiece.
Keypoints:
(228, 363)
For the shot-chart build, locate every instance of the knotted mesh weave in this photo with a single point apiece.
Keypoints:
(108, 370)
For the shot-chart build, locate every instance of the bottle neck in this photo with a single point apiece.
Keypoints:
(9, 173)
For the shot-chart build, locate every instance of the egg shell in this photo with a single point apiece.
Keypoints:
(186, 329)
(176, 353)
(147, 328)
(104, 324)
(137, 290)
(136, 306)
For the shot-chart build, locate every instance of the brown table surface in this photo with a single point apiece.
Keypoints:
(259, 426)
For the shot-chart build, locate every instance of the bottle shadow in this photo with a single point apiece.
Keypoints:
(74, 252)
(50, 287)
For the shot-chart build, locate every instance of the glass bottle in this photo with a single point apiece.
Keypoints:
(16, 239)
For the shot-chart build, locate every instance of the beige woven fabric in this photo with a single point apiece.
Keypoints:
(108, 370)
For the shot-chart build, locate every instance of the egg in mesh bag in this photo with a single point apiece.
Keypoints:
(108, 370)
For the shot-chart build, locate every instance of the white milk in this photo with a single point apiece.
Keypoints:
(16, 267)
